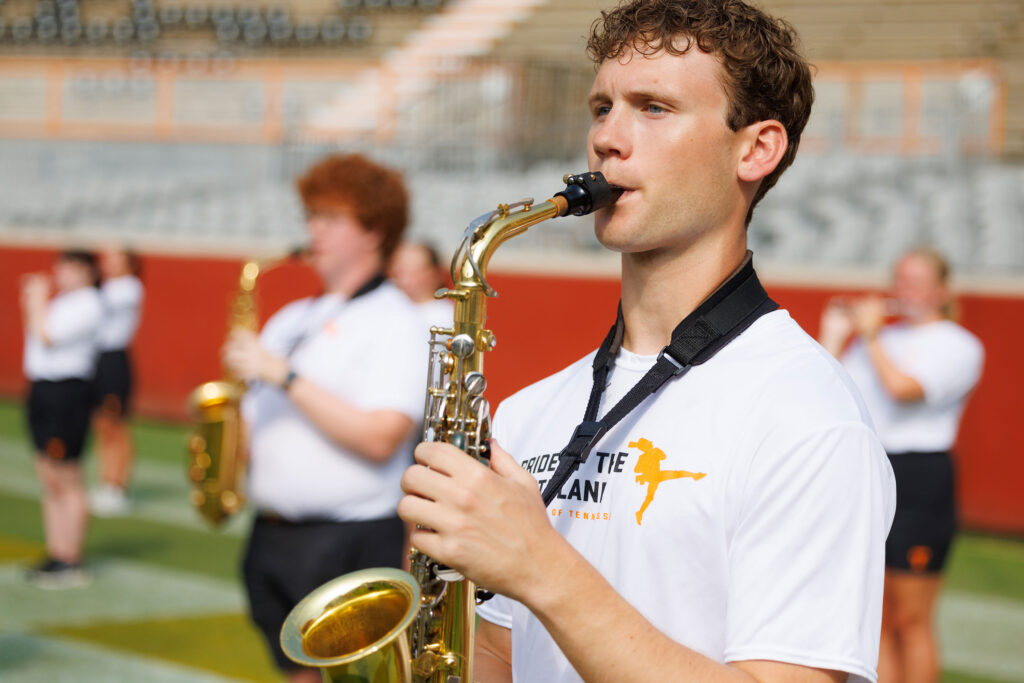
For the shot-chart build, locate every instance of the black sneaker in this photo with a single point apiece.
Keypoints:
(53, 574)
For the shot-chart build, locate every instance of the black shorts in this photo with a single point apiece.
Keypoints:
(925, 522)
(285, 561)
(58, 417)
(113, 382)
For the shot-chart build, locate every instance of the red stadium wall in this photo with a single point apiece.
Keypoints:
(541, 323)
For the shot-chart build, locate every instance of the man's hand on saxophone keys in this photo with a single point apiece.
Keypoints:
(489, 523)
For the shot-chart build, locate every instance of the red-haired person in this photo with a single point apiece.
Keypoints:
(122, 294)
(335, 394)
(915, 374)
(61, 336)
(726, 502)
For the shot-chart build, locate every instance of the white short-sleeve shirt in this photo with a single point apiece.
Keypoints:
(368, 351)
(742, 510)
(944, 358)
(122, 305)
(72, 327)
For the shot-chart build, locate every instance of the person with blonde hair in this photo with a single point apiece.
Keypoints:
(916, 375)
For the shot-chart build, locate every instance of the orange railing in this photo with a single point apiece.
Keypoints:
(906, 107)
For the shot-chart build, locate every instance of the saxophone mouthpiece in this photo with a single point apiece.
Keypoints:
(586, 193)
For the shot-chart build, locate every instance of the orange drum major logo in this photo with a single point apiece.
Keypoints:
(649, 473)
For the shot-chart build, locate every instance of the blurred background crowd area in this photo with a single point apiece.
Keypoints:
(183, 123)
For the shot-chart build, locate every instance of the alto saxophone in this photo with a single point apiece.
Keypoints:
(216, 446)
(389, 626)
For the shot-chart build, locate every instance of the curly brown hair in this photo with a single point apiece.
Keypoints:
(375, 194)
(764, 75)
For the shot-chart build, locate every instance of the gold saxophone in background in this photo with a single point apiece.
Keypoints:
(389, 626)
(216, 446)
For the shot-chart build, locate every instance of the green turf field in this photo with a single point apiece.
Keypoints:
(166, 604)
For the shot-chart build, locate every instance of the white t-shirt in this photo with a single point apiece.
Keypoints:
(436, 313)
(72, 327)
(944, 358)
(367, 351)
(742, 510)
(122, 304)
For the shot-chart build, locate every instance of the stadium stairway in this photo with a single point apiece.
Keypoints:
(445, 42)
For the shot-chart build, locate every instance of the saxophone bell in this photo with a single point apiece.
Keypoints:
(216, 446)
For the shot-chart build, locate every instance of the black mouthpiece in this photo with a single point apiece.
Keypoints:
(588, 192)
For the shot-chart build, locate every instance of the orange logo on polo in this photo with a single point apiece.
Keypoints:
(649, 472)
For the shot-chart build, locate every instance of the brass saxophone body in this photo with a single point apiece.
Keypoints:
(216, 445)
(389, 626)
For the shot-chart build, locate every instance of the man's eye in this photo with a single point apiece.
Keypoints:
(655, 109)
(601, 110)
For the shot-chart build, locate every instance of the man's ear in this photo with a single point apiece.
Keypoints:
(762, 145)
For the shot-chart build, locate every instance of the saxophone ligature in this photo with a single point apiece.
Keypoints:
(386, 625)
(216, 444)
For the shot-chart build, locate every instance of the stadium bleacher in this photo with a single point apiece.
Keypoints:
(843, 211)
(914, 136)
(190, 28)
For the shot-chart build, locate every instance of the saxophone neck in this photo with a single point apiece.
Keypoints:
(584, 193)
(488, 232)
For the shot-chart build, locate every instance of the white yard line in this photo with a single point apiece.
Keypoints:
(162, 490)
(120, 590)
(982, 635)
(26, 658)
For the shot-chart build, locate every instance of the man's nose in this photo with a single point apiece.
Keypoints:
(610, 135)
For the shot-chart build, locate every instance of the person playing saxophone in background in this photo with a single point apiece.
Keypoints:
(766, 562)
(335, 392)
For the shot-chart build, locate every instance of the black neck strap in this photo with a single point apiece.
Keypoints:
(719, 319)
(373, 283)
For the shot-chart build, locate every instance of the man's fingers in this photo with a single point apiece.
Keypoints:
(420, 511)
(421, 481)
(506, 466)
(445, 458)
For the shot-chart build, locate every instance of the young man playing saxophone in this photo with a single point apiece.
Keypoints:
(731, 527)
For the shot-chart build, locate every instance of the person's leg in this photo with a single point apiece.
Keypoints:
(890, 663)
(65, 508)
(116, 450)
(913, 597)
(274, 557)
(103, 426)
(377, 543)
(114, 390)
(123, 454)
(304, 676)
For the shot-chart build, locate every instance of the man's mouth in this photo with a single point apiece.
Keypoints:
(626, 189)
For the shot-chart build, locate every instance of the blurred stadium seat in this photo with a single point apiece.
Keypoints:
(919, 147)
